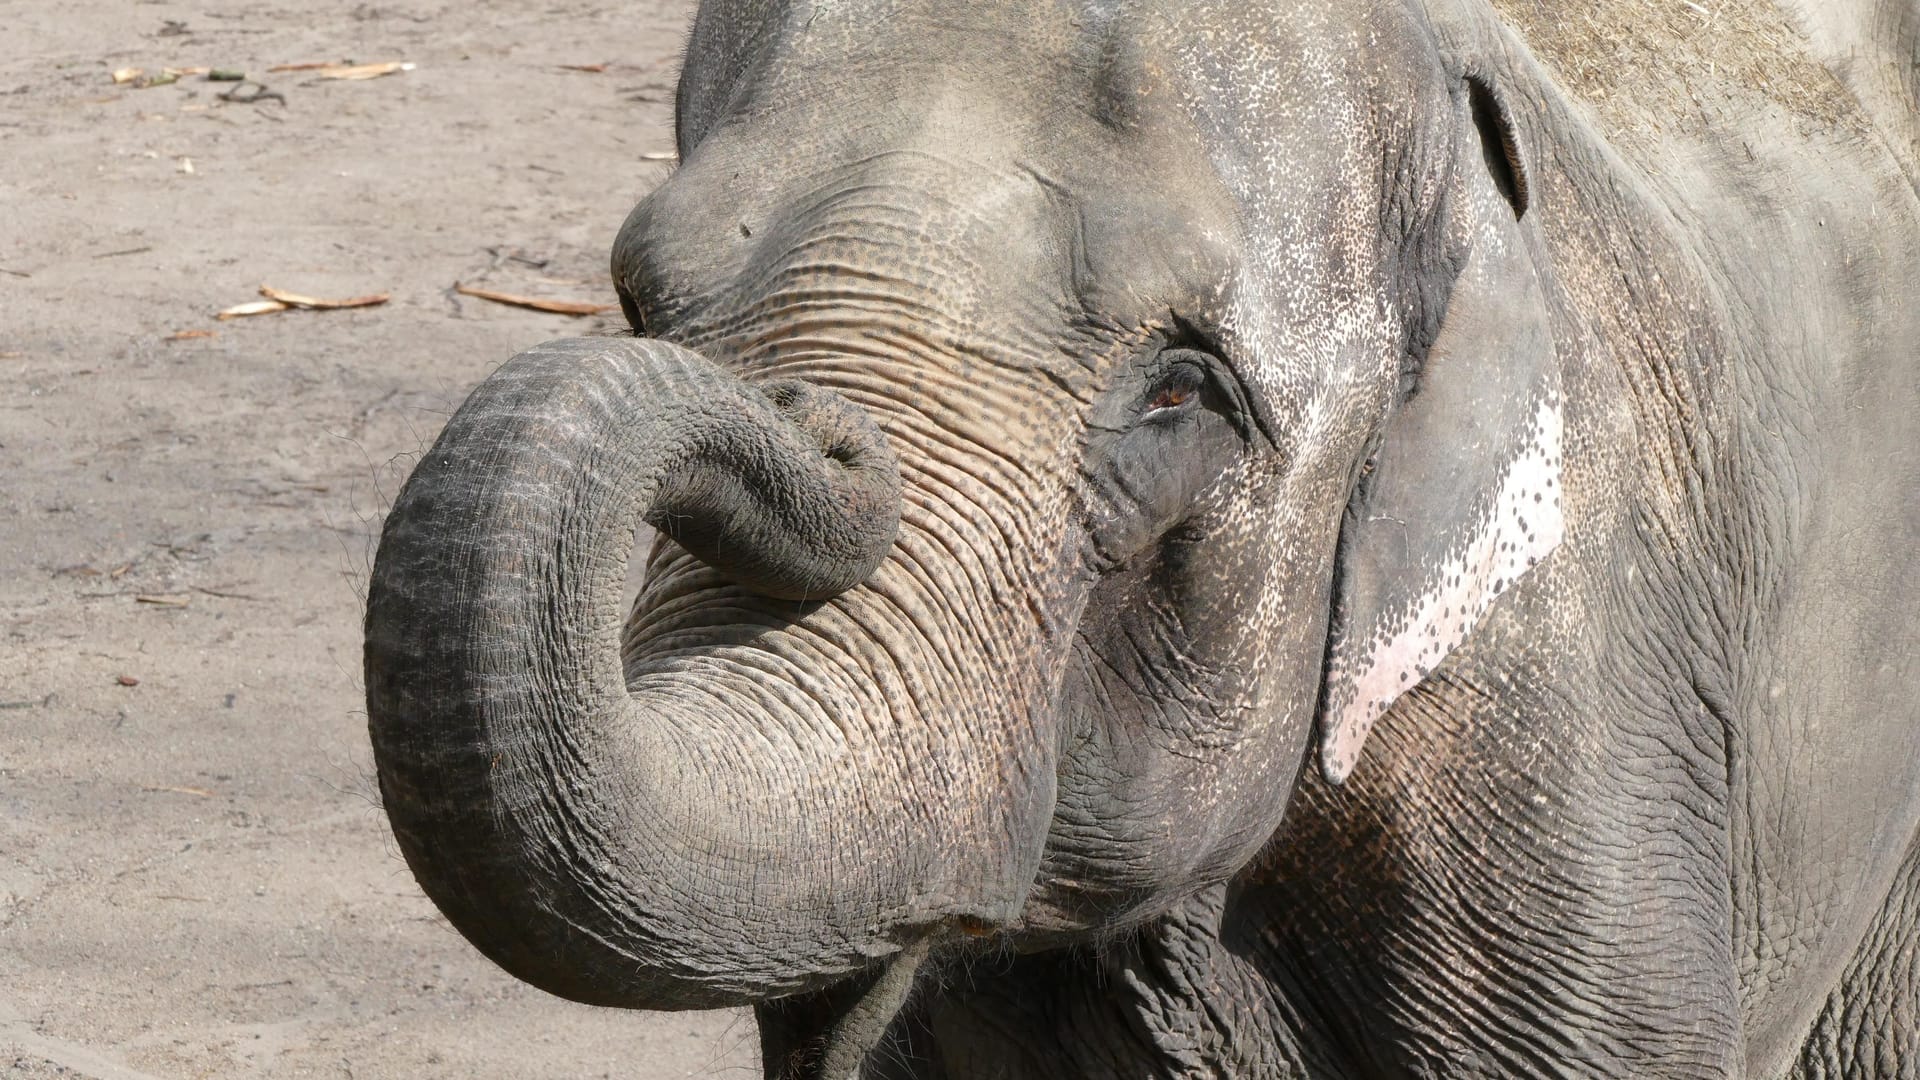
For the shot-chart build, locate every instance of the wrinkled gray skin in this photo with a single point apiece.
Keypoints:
(1080, 420)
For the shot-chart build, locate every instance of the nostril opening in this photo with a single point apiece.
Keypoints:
(784, 395)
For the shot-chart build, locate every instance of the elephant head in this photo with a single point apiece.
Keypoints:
(1059, 417)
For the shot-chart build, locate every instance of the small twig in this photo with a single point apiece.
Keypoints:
(558, 307)
(163, 601)
(15, 273)
(202, 793)
(129, 251)
(226, 595)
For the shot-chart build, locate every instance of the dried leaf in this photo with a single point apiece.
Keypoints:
(593, 69)
(365, 71)
(557, 307)
(299, 301)
(257, 307)
(190, 335)
(127, 75)
(127, 680)
(311, 65)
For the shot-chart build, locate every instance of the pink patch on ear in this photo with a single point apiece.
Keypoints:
(1523, 527)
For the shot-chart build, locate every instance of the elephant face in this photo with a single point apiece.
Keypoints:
(1210, 349)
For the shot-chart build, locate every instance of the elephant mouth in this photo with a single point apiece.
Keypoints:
(828, 1035)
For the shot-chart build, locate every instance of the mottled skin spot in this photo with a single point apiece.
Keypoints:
(1520, 526)
(1257, 379)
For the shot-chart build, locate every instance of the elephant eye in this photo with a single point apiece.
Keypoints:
(1178, 384)
(1170, 396)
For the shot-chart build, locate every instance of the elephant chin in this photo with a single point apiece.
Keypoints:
(648, 846)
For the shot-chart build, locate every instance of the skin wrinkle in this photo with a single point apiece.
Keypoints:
(1013, 542)
(886, 345)
(947, 471)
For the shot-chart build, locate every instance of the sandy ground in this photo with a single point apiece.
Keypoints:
(195, 880)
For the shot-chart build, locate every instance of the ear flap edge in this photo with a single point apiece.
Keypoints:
(1463, 499)
(1500, 145)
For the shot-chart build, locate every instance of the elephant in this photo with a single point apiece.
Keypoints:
(1347, 538)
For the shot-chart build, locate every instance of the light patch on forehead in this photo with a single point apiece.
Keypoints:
(1284, 110)
(1286, 114)
(1520, 528)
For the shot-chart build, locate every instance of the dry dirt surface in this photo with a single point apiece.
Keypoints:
(195, 877)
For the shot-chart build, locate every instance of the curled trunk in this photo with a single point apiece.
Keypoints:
(628, 846)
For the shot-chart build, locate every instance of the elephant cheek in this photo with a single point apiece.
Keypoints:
(1192, 697)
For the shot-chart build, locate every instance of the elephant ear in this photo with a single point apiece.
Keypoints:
(1462, 497)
